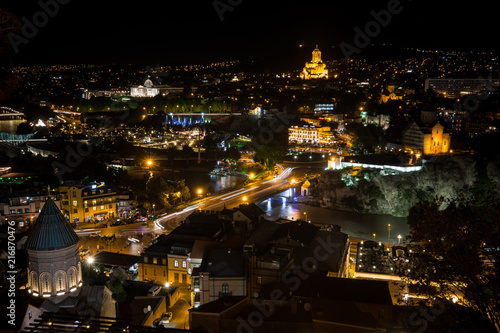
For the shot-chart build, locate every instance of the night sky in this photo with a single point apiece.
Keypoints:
(167, 31)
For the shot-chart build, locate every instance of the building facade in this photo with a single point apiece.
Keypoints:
(312, 135)
(427, 141)
(90, 203)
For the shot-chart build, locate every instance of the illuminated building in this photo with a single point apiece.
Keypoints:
(149, 90)
(54, 267)
(93, 202)
(315, 69)
(427, 140)
(390, 94)
(314, 135)
(453, 88)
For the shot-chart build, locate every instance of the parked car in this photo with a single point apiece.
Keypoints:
(166, 317)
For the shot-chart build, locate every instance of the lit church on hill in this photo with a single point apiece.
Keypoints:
(315, 69)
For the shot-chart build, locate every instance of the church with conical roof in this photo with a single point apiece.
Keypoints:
(54, 266)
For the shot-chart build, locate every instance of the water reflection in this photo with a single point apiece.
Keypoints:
(354, 224)
(10, 126)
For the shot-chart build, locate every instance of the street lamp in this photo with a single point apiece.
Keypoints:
(305, 213)
(389, 235)
(374, 236)
(252, 175)
(245, 199)
(399, 239)
(200, 191)
(154, 211)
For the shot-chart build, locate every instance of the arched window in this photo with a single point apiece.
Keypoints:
(59, 283)
(34, 282)
(46, 287)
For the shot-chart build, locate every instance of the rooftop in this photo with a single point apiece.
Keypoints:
(51, 231)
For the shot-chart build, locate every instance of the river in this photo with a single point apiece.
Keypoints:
(10, 126)
(352, 223)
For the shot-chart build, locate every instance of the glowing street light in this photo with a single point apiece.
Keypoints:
(305, 213)
(90, 260)
(389, 235)
(252, 175)
(293, 181)
(200, 191)
(244, 198)
(374, 236)
(399, 239)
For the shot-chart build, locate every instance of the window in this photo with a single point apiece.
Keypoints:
(75, 203)
(164, 273)
(94, 208)
(259, 279)
(225, 288)
(102, 207)
(145, 259)
(60, 283)
(86, 210)
(176, 263)
(74, 193)
(184, 265)
(85, 203)
(75, 210)
(110, 206)
(176, 277)
(155, 260)
(47, 290)
(164, 261)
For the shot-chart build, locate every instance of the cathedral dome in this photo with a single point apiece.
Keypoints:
(51, 231)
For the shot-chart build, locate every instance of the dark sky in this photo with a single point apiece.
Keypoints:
(191, 31)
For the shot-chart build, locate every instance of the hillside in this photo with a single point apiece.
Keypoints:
(382, 192)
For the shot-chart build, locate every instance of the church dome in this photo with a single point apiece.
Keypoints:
(51, 231)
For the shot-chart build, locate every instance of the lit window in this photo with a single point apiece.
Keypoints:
(176, 263)
(184, 265)
(75, 203)
(155, 260)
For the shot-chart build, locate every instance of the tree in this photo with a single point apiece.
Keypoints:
(24, 128)
(232, 154)
(457, 251)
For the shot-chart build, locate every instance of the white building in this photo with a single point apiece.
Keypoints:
(149, 90)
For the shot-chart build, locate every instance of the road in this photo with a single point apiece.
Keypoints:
(253, 192)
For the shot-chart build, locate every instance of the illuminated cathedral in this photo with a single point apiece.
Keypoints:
(315, 69)
(54, 267)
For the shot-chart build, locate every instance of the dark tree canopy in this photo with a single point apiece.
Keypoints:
(456, 249)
